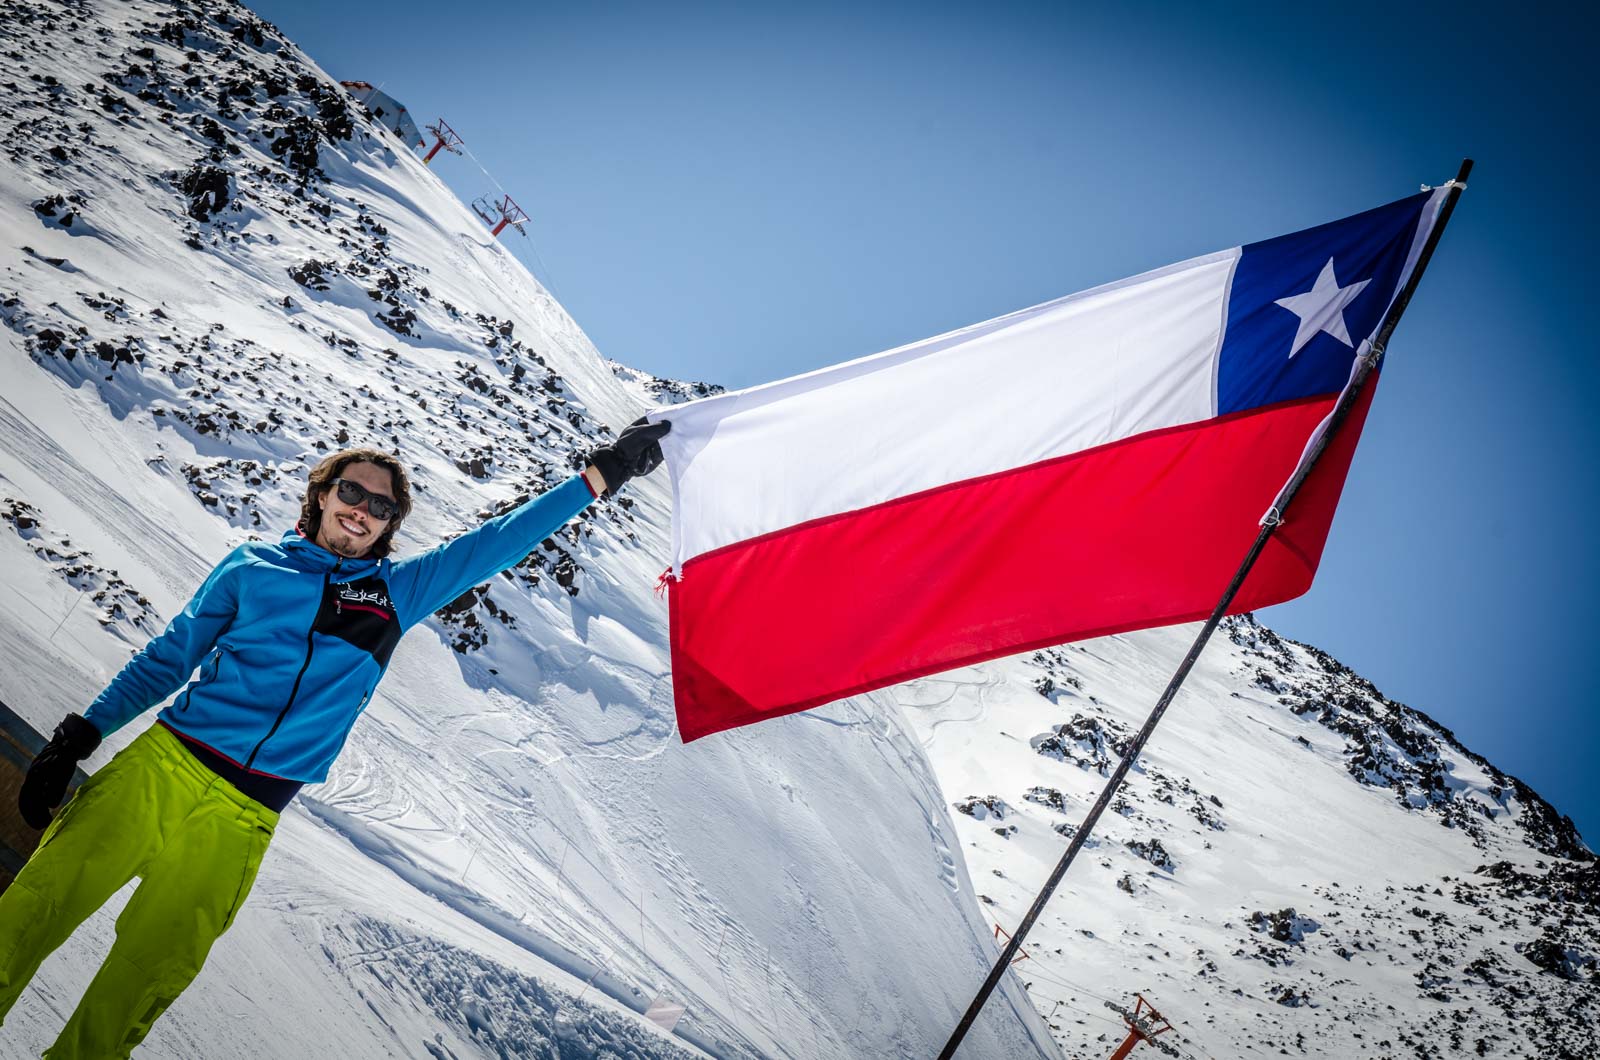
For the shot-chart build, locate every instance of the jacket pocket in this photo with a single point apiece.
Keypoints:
(208, 674)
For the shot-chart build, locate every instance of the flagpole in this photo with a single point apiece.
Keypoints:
(1269, 526)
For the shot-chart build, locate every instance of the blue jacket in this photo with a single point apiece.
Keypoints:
(291, 639)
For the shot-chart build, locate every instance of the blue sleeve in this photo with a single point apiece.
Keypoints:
(423, 584)
(167, 661)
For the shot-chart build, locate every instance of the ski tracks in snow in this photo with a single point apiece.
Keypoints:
(154, 544)
(717, 1039)
(473, 866)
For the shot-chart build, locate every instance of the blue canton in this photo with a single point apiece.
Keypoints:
(1255, 367)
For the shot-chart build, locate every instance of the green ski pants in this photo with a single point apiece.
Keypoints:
(195, 841)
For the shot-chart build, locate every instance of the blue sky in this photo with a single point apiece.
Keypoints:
(740, 192)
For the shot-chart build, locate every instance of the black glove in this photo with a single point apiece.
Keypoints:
(51, 771)
(637, 451)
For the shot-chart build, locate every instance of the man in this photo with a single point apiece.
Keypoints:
(290, 639)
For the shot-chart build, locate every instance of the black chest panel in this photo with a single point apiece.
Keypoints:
(361, 613)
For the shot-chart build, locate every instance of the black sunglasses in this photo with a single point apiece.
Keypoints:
(378, 506)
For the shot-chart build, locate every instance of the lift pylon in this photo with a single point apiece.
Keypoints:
(444, 137)
(999, 933)
(500, 213)
(1144, 1023)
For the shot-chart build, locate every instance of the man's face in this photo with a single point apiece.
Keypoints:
(349, 529)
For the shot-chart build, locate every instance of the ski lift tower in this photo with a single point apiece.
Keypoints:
(444, 137)
(1144, 1023)
(501, 212)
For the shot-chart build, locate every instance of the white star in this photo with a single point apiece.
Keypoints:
(1322, 308)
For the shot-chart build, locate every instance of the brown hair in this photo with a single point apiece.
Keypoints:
(330, 468)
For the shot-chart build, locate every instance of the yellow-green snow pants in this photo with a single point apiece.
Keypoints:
(195, 841)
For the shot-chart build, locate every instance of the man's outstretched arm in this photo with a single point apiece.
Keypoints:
(423, 584)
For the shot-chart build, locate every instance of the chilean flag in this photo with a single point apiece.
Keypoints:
(1093, 465)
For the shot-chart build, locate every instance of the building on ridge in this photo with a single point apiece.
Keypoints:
(390, 112)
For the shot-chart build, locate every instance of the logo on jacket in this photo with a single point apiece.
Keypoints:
(350, 595)
(360, 613)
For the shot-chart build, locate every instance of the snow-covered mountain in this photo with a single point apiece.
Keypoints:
(214, 268)
(1296, 865)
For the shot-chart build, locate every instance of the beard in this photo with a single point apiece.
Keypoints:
(338, 541)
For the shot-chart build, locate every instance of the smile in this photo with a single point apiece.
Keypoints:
(353, 529)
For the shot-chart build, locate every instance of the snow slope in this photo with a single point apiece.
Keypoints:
(215, 270)
(1296, 865)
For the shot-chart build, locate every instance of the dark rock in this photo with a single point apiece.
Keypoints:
(1087, 742)
(399, 320)
(1047, 797)
(1284, 926)
(207, 188)
(1153, 852)
(296, 143)
(48, 340)
(982, 806)
(311, 274)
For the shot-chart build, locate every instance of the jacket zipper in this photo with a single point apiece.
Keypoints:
(295, 690)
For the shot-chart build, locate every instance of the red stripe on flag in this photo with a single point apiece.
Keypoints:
(1143, 532)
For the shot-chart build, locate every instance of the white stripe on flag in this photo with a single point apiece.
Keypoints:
(1091, 368)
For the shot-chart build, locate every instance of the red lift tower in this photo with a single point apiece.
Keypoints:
(998, 933)
(501, 212)
(1144, 1023)
(443, 136)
